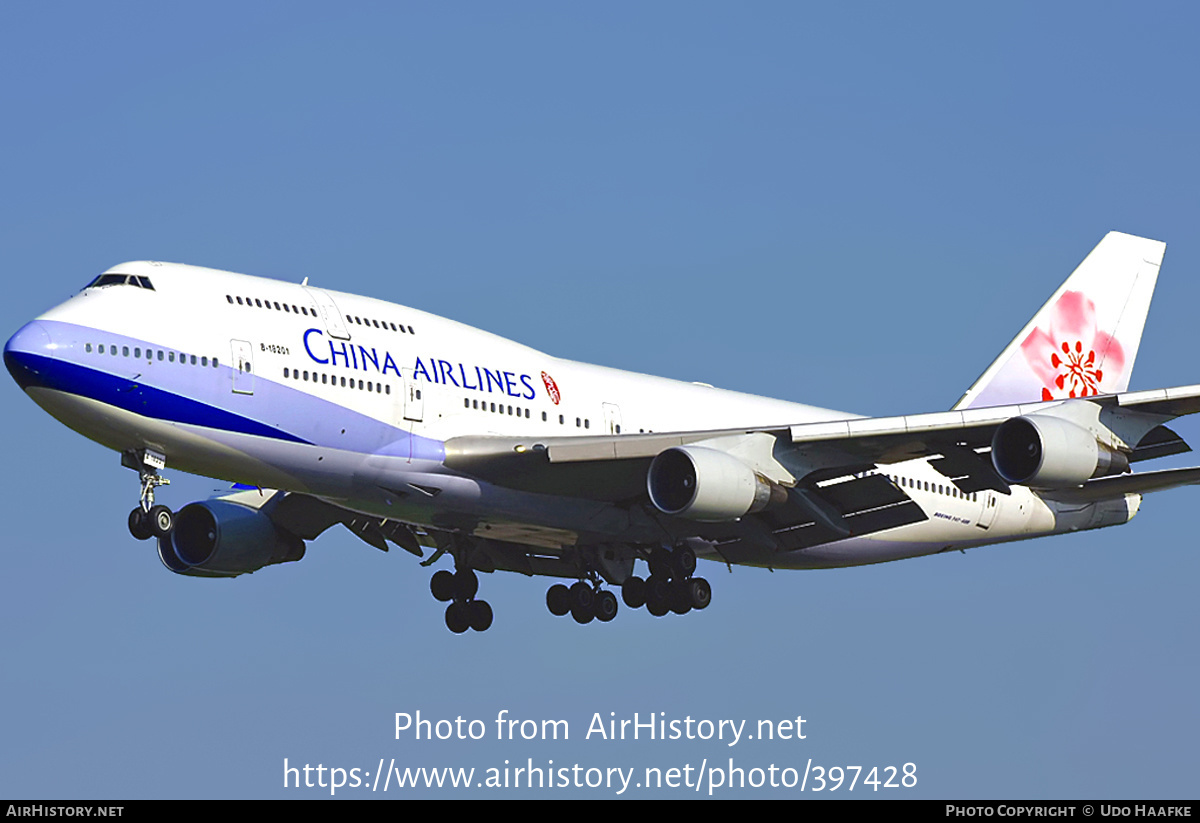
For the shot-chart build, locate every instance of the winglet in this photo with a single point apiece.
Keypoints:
(1084, 340)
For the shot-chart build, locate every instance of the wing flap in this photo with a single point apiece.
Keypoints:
(1141, 483)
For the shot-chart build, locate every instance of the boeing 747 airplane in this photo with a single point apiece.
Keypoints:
(414, 430)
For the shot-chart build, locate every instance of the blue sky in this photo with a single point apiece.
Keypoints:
(854, 206)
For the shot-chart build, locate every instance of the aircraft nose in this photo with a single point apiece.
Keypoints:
(23, 352)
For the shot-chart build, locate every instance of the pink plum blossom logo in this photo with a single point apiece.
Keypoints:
(1073, 358)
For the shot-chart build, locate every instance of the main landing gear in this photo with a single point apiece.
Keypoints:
(464, 612)
(149, 520)
(670, 588)
(585, 601)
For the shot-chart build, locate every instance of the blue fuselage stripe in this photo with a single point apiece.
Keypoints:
(136, 397)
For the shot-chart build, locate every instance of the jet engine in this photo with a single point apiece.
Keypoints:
(1048, 452)
(215, 538)
(708, 485)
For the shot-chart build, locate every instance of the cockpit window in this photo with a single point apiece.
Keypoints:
(112, 279)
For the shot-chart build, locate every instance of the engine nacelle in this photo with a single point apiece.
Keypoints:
(215, 538)
(1049, 452)
(708, 485)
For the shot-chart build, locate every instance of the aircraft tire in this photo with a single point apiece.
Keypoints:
(558, 600)
(139, 525)
(657, 607)
(458, 617)
(680, 599)
(633, 592)
(660, 563)
(700, 591)
(481, 615)
(466, 584)
(582, 616)
(683, 562)
(606, 606)
(161, 521)
(582, 597)
(658, 588)
(441, 585)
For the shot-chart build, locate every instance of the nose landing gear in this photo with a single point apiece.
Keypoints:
(149, 520)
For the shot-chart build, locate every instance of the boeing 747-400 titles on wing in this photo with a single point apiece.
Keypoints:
(411, 429)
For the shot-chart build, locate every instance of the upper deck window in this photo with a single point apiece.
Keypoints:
(112, 279)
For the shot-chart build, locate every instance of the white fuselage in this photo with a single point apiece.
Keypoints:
(352, 399)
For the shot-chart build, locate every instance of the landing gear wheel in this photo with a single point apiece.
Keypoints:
(442, 585)
(658, 589)
(657, 607)
(458, 617)
(633, 592)
(582, 598)
(700, 591)
(581, 615)
(683, 562)
(659, 563)
(558, 600)
(481, 615)
(139, 524)
(680, 599)
(161, 521)
(605, 607)
(466, 584)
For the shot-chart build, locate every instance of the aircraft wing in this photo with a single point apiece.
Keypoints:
(613, 467)
(828, 474)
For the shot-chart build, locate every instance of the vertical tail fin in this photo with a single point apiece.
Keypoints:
(1084, 340)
